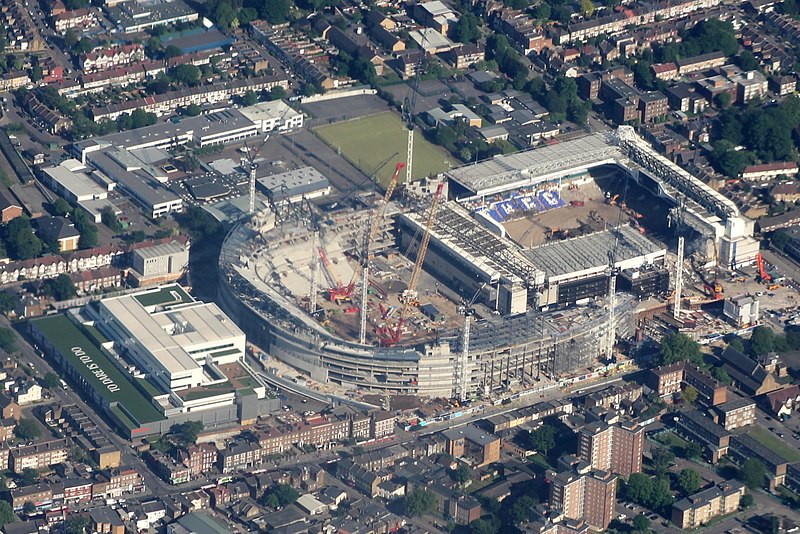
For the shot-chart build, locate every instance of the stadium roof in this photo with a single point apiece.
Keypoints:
(590, 251)
(502, 173)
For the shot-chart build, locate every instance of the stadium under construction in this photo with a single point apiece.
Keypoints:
(488, 313)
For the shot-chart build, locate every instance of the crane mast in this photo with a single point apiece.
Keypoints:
(676, 304)
(363, 265)
(462, 362)
(393, 337)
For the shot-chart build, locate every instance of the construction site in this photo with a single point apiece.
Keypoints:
(479, 282)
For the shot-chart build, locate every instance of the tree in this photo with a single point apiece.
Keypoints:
(29, 476)
(662, 458)
(71, 38)
(8, 339)
(542, 11)
(84, 225)
(276, 11)
(27, 430)
(746, 501)
(779, 240)
(186, 73)
(7, 302)
(641, 523)
(692, 450)
(721, 375)
(28, 508)
(59, 288)
(50, 380)
(761, 340)
(462, 474)
(6, 513)
(192, 110)
(419, 502)
(36, 73)
(661, 496)
(466, 31)
(517, 4)
(249, 98)
(752, 473)
(689, 394)
(689, 481)
(171, 51)
(639, 488)
(188, 431)
(723, 100)
(483, 526)
(84, 46)
(109, 218)
(680, 347)
(543, 439)
(277, 93)
(736, 344)
(75, 524)
(20, 240)
(521, 510)
(61, 207)
(747, 61)
(587, 8)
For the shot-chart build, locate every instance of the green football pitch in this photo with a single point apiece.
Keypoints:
(368, 141)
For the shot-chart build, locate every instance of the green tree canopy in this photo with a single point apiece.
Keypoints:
(21, 243)
(467, 30)
(8, 339)
(680, 347)
(484, 526)
(6, 513)
(752, 473)
(59, 288)
(662, 458)
(280, 495)
(641, 523)
(188, 431)
(51, 380)
(543, 439)
(28, 508)
(462, 474)
(689, 394)
(28, 476)
(419, 502)
(7, 302)
(689, 481)
(762, 340)
(27, 430)
(722, 375)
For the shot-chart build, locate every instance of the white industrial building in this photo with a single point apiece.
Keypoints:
(160, 263)
(80, 185)
(274, 116)
(742, 310)
(171, 338)
(295, 185)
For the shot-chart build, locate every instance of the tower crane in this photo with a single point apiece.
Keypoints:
(408, 116)
(312, 301)
(250, 158)
(391, 337)
(362, 269)
(462, 375)
(337, 292)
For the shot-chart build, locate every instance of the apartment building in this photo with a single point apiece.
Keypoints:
(113, 483)
(472, 443)
(239, 454)
(199, 458)
(736, 413)
(669, 380)
(756, 173)
(711, 60)
(743, 447)
(613, 396)
(39, 455)
(695, 427)
(382, 424)
(40, 495)
(591, 497)
(653, 106)
(615, 448)
(698, 509)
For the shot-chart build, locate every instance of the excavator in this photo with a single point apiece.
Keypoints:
(763, 275)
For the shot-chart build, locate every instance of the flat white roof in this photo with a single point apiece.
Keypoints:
(276, 109)
(168, 334)
(67, 175)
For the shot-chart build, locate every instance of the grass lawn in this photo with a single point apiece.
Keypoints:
(773, 443)
(672, 440)
(366, 142)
